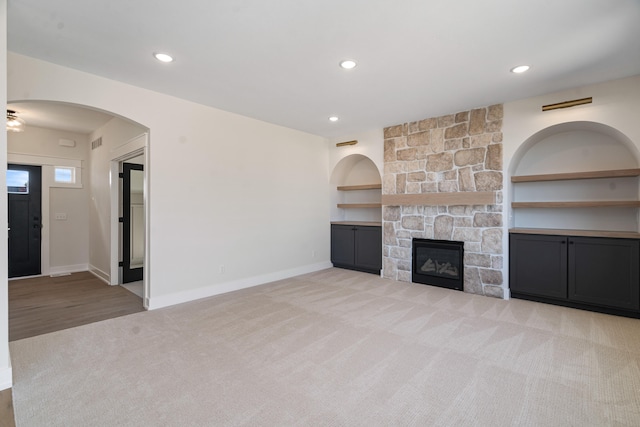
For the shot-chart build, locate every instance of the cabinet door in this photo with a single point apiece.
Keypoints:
(342, 245)
(604, 272)
(538, 265)
(369, 248)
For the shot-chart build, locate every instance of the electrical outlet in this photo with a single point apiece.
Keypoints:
(222, 269)
(61, 216)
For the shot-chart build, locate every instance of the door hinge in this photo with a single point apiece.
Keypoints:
(121, 175)
(121, 264)
(121, 219)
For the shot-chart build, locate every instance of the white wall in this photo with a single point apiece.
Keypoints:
(233, 201)
(65, 241)
(370, 144)
(615, 104)
(5, 361)
(114, 134)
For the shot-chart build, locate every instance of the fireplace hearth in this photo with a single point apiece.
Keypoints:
(438, 263)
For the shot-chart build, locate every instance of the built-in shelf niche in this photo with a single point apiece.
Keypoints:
(356, 191)
(577, 179)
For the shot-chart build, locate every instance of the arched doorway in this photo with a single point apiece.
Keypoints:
(77, 231)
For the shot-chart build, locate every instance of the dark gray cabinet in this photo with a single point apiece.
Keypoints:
(538, 265)
(357, 247)
(585, 272)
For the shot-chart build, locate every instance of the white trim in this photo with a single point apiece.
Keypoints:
(99, 274)
(133, 148)
(30, 159)
(68, 269)
(114, 229)
(49, 163)
(221, 288)
(6, 377)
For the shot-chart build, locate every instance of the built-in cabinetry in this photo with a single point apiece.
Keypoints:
(575, 194)
(582, 271)
(356, 246)
(356, 215)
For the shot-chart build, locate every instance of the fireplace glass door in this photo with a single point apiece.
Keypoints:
(438, 263)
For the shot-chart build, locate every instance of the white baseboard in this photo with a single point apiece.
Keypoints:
(100, 274)
(221, 288)
(68, 269)
(6, 377)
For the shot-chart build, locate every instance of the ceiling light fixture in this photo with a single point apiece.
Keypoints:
(348, 64)
(520, 69)
(163, 57)
(334, 118)
(14, 123)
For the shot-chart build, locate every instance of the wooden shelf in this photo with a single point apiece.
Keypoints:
(582, 233)
(360, 187)
(588, 204)
(359, 205)
(620, 173)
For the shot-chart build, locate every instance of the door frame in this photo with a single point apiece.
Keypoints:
(133, 148)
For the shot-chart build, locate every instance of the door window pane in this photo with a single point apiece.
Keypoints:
(17, 181)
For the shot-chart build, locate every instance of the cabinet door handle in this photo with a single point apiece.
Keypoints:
(563, 242)
(571, 242)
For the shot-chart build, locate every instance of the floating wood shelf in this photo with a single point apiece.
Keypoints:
(620, 173)
(583, 233)
(360, 187)
(589, 204)
(440, 199)
(359, 205)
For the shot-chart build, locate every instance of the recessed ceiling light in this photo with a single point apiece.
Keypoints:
(334, 118)
(348, 64)
(520, 69)
(163, 57)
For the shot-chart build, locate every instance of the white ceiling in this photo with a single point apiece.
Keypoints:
(55, 115)
(277, 61)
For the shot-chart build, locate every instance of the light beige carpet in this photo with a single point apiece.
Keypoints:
(335, 348)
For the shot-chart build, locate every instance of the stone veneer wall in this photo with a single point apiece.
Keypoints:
(453, 153)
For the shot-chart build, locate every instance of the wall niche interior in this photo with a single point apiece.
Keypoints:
(356, 181)
(552, 186)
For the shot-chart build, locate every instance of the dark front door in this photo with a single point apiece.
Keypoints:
(132, 222)
(24, 185)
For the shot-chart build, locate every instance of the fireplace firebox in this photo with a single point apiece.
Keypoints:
(438, 263)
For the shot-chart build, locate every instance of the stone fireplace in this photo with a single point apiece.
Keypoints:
(443, 180)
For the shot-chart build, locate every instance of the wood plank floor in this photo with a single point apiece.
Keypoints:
(7, 418)
(47, 304)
